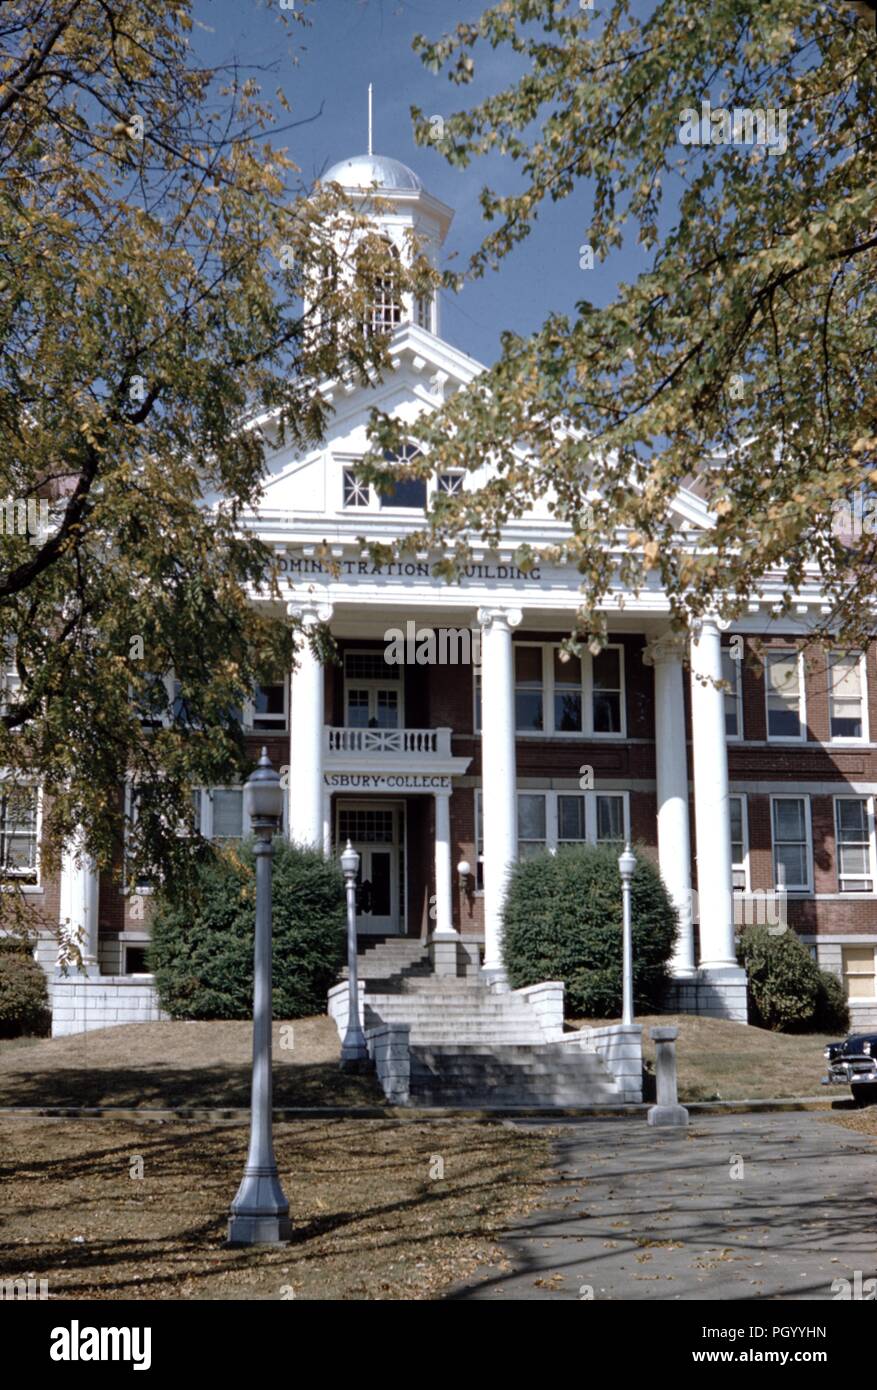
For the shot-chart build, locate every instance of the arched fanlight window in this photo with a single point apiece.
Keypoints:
(384, 312)
(407, 492)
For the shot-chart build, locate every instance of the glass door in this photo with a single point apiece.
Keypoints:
(373, 830)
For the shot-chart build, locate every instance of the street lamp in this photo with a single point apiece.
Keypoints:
(354, 1050)
(260, 1212)
(626, 866)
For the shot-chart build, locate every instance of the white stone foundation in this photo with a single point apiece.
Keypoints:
(82, 1003)
(714, 993)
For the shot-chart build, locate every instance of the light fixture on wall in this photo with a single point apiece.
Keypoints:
(464, 869)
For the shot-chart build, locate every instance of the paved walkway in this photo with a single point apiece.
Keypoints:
(737, 1207)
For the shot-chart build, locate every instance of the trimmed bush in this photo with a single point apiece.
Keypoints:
(787, 991)
(24, 994)
(201, 950)
(832, 1012)
(562, 921)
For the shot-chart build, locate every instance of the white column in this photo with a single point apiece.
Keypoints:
(306, 732)
(666, 655)
(79, 903)
(444, 915)
(498, 772)
(711, 807)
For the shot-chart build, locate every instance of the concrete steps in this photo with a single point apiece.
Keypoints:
(538, 1075)
(469, 1045)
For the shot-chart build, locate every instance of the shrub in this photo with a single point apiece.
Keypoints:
(201, 949)
(24, 994)
(787, 990)
(562, 921)
(832, 1013)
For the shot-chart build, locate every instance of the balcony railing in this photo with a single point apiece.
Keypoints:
(411, 742)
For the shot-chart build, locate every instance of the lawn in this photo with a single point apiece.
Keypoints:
(382, 1209)
(180, 1064)
(732, 1061)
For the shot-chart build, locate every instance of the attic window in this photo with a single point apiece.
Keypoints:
(407, 492)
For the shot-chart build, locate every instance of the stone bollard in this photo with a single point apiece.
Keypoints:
(668, 1113)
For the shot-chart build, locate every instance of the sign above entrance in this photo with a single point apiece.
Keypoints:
(387, 781)
(400, 569)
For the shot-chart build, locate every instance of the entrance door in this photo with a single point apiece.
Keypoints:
(373, 828)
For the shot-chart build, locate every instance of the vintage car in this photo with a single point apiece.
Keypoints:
(854, 1063)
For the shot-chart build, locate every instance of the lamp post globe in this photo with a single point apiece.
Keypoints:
(354, 1049)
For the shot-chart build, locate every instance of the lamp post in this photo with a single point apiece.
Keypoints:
(626, 866)
(260, 1212)
(354, 1050)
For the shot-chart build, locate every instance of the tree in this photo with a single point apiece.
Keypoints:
(156, 247)
(740, 362)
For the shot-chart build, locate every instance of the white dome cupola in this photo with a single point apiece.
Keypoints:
(405, 213)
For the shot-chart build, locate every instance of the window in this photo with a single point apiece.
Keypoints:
(732, 672)
(853, 827)
(356, 494)
(135, 961)
(407, 492)
(567, 693)
(571, 820)
(846, 706)
(859, 974)
(790, 821)
(529, 716)
(610, 827)
(739, 844)
(785, 714)
(531, 825)
(228, 813)
(451, 483)
(423, 311)
(153, 701)
(19, 817)
(556, 697)
(372, 692)
(10, 682)
(384, 312)
(607, 688)
(267, 709)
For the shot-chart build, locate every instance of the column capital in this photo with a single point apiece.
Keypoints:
(500, 617)
(309, 614)
(668, 647)
(709, 622)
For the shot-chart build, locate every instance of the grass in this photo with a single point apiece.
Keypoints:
(179, 1064)
(718, 1060)
(382, 1209)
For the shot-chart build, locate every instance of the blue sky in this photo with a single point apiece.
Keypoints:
(326, 69)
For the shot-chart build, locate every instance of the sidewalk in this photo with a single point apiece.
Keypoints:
(637, 1213)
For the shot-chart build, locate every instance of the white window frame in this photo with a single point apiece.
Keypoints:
(801, 736)
(872, 849)
(548, 730)
(845, 974)
(552, 843)
(808, 830)
(350, 466)
(864, 737)
(372, 684)
(20, 881)
(743, 865)
(278, 723)
(737, 692)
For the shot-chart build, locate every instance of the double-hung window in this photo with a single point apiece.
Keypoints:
(19, 833)
(732, 673)
(854, 836)
(739, 843)
(785, 694)
(560, 695)
(846, 696)
(859, 971)
(790, 825)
